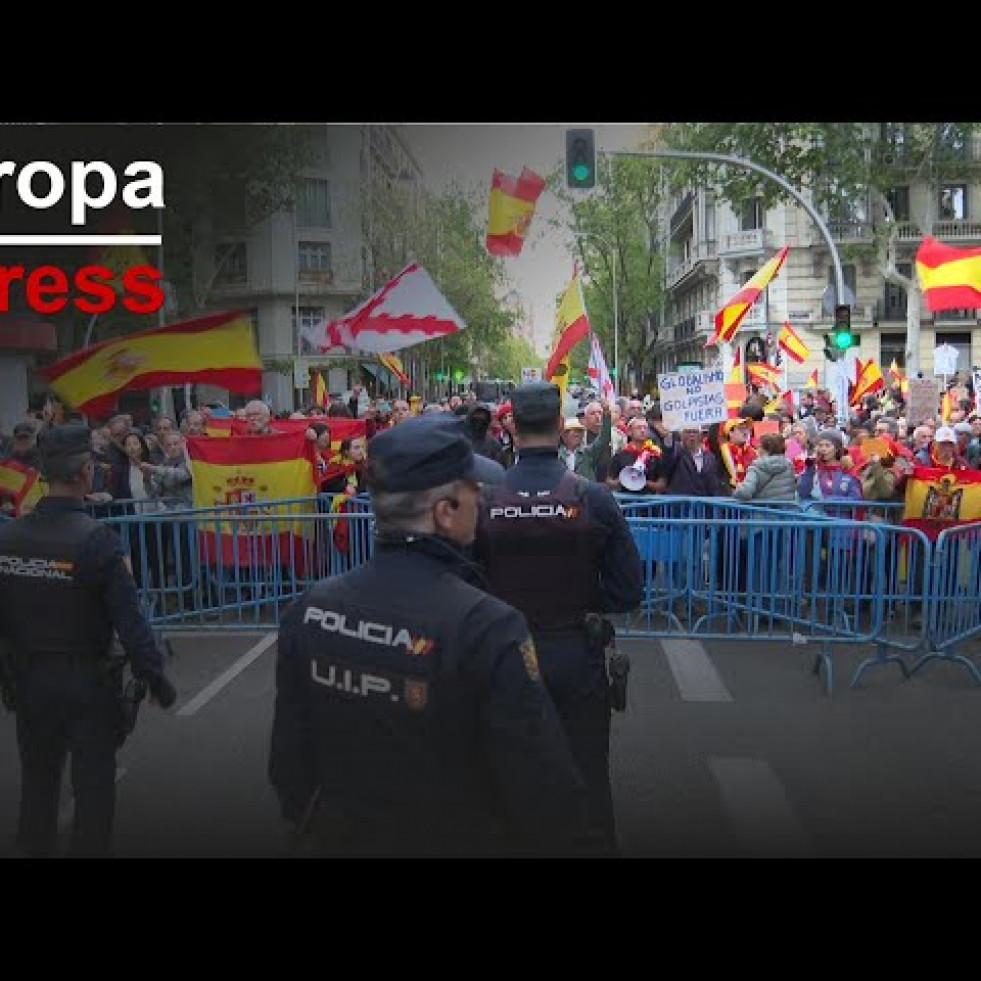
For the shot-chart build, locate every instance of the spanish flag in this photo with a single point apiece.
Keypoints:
(735, 394)
(218, 425)
(784, 402)
(945, 406)
(512, 206)
(728, 319)
(245, 477)
(789, 340)
(869, 380)
(764, 374)
(812, 380)
(938, 499)
(21, 486)
(736, 372)
(393, 363)
(318, 390)
(571, 325)
(218, 349)
(950, 278)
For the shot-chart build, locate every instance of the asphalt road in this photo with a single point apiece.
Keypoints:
(732, 749)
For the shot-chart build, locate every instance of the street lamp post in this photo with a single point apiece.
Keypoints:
(616, 312)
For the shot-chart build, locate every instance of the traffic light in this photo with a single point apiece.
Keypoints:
(830, 352)
(843, 336)
(580, 158)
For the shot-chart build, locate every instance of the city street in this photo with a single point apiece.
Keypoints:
(730, 751)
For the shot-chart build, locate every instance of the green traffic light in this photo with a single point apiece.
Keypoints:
(844, 339)
(580, 171)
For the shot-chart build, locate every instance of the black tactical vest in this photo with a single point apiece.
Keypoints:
(542, 554)
(46, 605)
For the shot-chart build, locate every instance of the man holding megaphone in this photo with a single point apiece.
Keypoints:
(639, 467)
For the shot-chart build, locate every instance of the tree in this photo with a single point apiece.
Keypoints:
(618, 223)
(845, 167)
(441, 233)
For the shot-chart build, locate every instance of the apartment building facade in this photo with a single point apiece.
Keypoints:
(302, 267)
(712, 249)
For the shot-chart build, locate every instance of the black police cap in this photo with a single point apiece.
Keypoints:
(63, 446)
(426, 451)
(536, 403)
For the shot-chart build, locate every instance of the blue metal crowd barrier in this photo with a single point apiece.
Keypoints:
(825, 572)
(954, 606)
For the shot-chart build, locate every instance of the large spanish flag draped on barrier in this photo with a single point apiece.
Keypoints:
(512, 206)
(244, 472)
(21, 486)
(218, 349)
(728, 319)
(938, 499)
(950, 278)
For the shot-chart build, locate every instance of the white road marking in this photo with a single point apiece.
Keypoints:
(693, 671)
(206, 694)
(755, 800)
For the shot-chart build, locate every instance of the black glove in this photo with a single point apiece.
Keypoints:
(162, 691)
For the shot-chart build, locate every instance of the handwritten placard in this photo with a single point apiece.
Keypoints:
(922, 400)
(692, 399)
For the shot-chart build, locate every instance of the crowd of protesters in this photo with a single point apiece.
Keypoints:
(797, 453)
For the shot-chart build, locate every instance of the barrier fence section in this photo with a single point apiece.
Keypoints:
(238, 566)
(796, 572)
(955, 597)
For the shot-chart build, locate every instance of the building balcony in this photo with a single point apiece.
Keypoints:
(703, 261)
(957, 230)
(851, 232)
(751, 242)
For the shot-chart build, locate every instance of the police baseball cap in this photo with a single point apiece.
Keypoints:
(64, 449)
(536, 403)
(423, 452)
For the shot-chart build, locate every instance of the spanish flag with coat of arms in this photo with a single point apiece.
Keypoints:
(245, 478)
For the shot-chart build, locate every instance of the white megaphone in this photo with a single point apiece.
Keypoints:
(634, 475)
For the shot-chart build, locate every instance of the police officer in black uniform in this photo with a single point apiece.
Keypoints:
(410, 717)
(558, 548)
(65, 585)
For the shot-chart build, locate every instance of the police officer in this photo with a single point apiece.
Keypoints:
(410, 717)
(65, 585)
(557, 547)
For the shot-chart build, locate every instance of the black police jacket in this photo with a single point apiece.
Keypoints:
(64, 587)
(603, 548)
(410, 703)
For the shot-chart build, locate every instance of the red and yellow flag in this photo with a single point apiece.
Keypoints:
(21, 486)
(394, 364)
(218, 349)
(946, 406)
(812, 380)
(318, 388)
(245, 477)
(764, 374)
(789, 340)
(736, 372)
(781, 403)
(869, 380)
(949, 277)
(728, 319)
(571, 326)
(938, 499)
(512, 206)
(735, 394)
